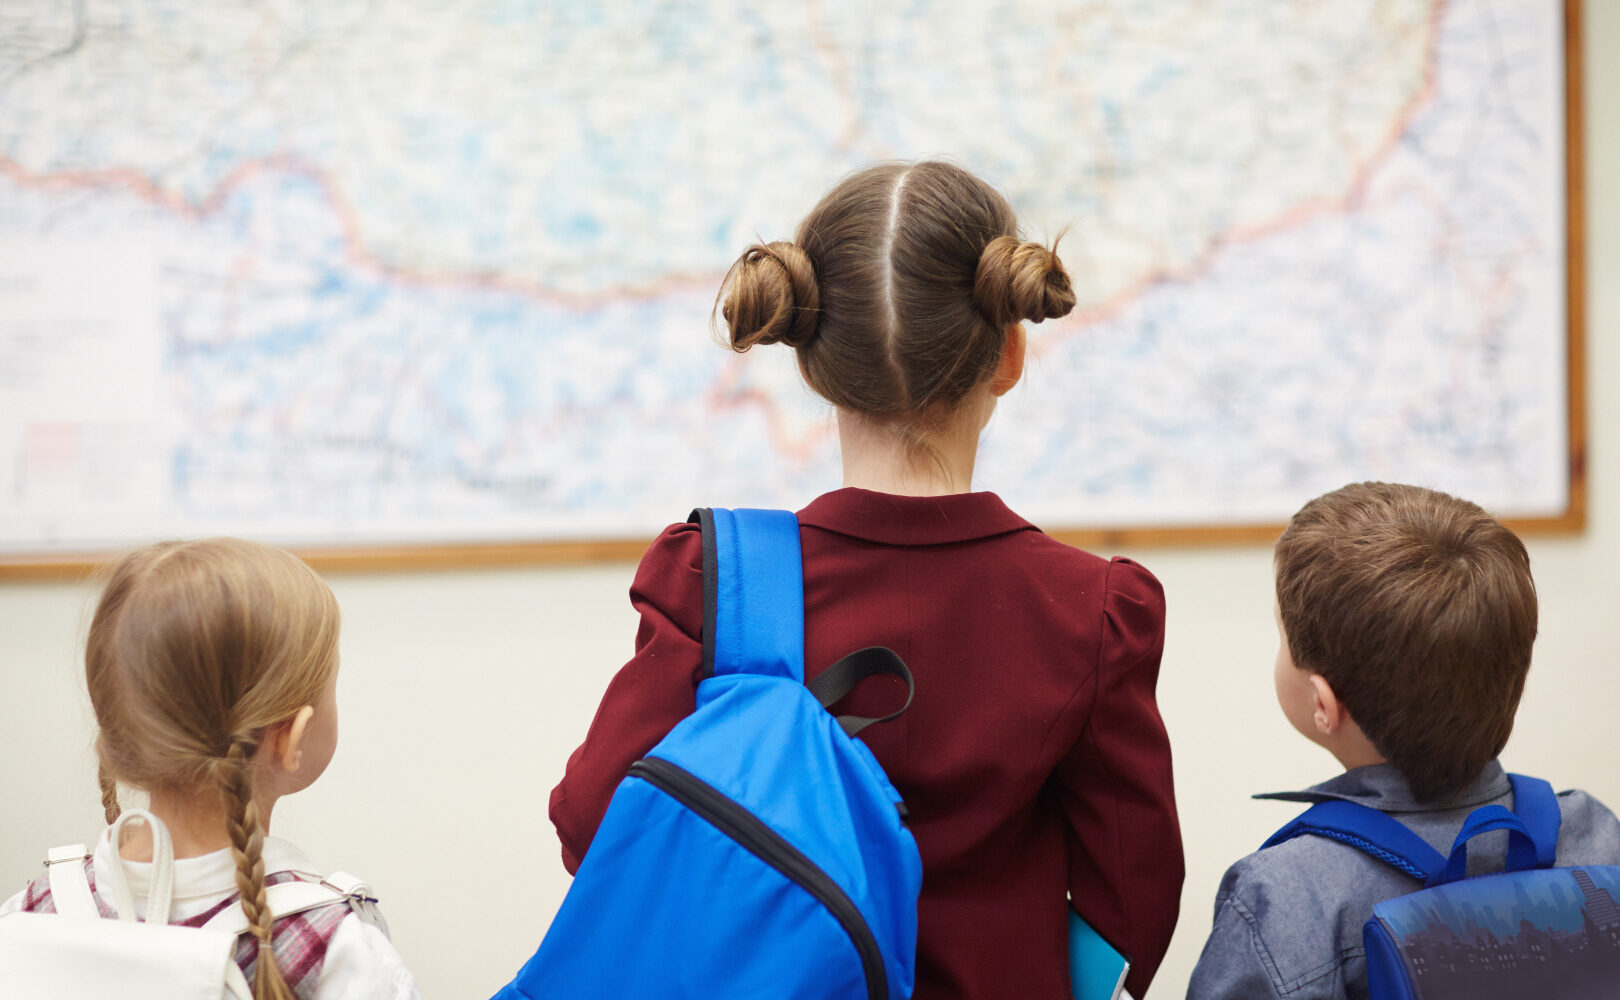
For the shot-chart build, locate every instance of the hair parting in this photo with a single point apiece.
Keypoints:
(897, 292)
(890, 341)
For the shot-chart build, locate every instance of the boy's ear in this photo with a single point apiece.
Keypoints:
(1010, 366)
(1327, 712)
(286, 740)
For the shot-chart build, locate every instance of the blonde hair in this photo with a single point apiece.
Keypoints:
(197, 648)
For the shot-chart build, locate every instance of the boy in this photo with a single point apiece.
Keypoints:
(1406, 618)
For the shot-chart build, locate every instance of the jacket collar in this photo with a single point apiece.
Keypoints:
(1382, 787)
(898, 520)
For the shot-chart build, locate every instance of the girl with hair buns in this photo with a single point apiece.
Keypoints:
(212, 668)
(1033, 760)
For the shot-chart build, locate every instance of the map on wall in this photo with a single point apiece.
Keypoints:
(356, 274)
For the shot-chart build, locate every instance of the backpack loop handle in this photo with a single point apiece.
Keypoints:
(1521, 853)
(838, 680)
(160, 894)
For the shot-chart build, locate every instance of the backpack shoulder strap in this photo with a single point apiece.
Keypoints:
(287, 899)
(1535, 814)
(1373, 833)
(70, 887)
(753, 593)
(1536, 805)
(360, 897)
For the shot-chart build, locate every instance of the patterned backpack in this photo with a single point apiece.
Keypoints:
(1532, 932)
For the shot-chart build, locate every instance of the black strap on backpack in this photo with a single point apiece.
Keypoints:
(838, 680)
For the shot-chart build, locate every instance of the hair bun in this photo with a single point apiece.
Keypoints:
(1018, 281)
(771, 297)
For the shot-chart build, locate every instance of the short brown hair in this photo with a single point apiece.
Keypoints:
(898, 290)
(1419, 609)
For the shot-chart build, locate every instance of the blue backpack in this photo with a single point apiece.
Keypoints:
(758, 850)
(1533, 931)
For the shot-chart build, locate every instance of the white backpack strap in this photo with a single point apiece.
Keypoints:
(237, 983)
(160, 893)
(361, 897)
(288, 898)
(70, 889)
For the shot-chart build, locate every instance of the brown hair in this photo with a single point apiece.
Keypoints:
(1419, 609)
(898, 290)
(196, 648)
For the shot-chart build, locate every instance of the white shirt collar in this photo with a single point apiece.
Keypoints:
(206, 875)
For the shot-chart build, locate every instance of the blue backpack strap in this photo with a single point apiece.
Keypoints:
(1371, 832)
(1532, 825)
(1521, 853)
(1535, 802)
(753, 593)
(1532, 828)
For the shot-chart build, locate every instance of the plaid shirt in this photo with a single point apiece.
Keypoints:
(300, 941)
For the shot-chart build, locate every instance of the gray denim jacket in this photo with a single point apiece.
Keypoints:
(1288, 919)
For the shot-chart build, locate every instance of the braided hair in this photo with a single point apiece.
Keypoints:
(195, 650)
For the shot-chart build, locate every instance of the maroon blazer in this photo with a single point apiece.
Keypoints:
(1033, 761)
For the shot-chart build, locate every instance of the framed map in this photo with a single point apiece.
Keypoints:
(416, 283)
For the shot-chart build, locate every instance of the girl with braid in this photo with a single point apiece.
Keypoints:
(212, 668)
(1033, 760)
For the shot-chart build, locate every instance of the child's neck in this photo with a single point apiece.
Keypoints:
(195, 823)
(1350, 746)
(876, 457)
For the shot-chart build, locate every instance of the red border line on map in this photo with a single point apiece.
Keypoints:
(725, 394)
(358, 253)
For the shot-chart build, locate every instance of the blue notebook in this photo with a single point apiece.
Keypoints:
(1095, 968)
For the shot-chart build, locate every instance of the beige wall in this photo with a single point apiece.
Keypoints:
(463, 693)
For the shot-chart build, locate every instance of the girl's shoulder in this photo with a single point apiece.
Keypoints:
(337, 948)
(36, 896)
(670, 576)
(326, 950)
(362, 963)
(1115, 573)
(677, 546)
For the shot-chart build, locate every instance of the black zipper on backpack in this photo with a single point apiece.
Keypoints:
(769, 846)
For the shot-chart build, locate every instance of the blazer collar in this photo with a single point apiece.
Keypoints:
(1382, 787)
(897, 520)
